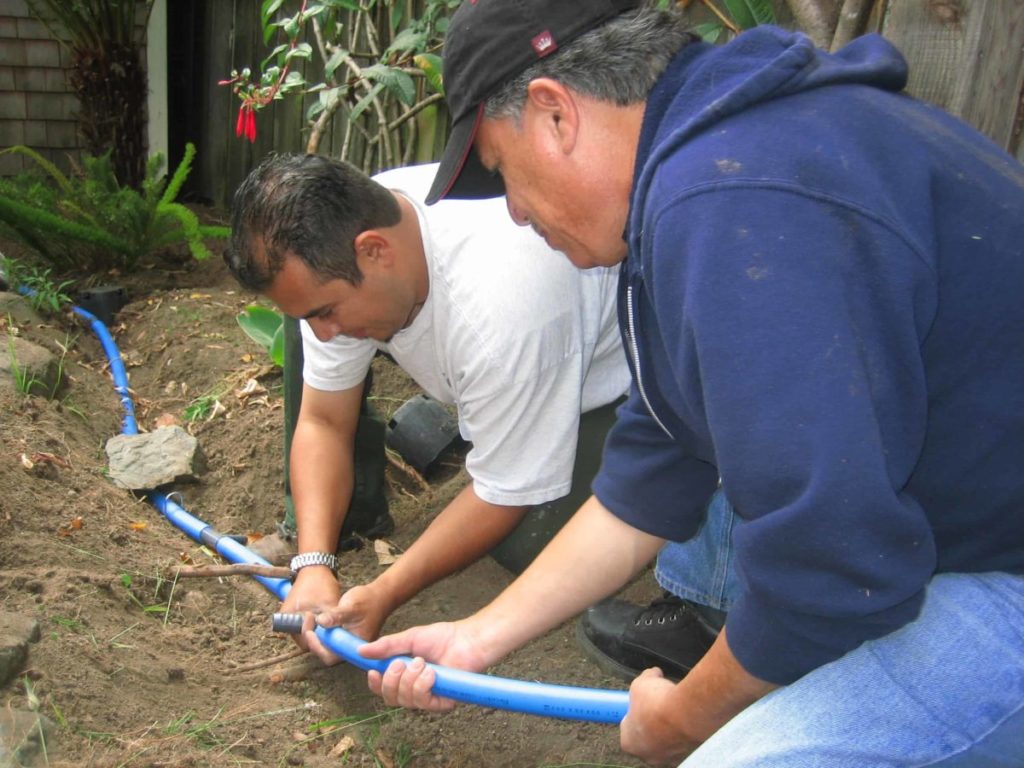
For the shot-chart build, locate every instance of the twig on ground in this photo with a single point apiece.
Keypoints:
(279, 659)
(235, 569)
(400, 465)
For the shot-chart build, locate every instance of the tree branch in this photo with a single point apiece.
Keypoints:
(852, 17)
(816, 18)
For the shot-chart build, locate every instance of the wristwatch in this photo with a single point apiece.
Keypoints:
(300, 561)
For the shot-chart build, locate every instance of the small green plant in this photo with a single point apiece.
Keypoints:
(127, 581)
(88, 221)
(199, 732)
(266, 328)
(40, 289)
(203, 407)
(25, 380)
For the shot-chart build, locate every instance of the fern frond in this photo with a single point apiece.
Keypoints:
(20, 215)
(180, 174)
(46, 165)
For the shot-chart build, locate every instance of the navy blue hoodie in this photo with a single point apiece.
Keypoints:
(823, 305)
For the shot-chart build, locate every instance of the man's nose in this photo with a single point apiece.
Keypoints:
(324, 329)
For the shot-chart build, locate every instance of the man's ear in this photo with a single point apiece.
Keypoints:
(373, 249)
(556, 106)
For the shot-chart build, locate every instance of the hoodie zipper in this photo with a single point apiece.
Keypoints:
(634, 352)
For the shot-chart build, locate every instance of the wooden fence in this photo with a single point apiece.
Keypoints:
(966, 56)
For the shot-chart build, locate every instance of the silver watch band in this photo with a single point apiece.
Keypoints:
(304, 559)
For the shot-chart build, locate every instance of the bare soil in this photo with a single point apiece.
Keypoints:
(136, 669)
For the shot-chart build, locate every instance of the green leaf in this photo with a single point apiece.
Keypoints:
(300, 51)
(709, 32)
(270, 8)
(395, 80)
(334, 62)
(432, 66)
(409, 39)
(313, 10)
(364, 102)
(749, 13)
(276, 350)
(762, 11)
(273, 54)
(266, 328)
(740, 13)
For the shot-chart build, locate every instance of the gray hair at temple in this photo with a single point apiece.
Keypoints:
(617, 62)
(307, 206)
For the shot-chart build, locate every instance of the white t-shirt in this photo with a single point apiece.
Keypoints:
(512, 334)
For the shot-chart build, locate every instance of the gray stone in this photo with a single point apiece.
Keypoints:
(28, 367)
(16, 307)
(26, 738)
(16, 632)
(147, 461)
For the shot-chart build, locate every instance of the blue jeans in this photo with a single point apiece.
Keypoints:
(701, 569)
(945, 690)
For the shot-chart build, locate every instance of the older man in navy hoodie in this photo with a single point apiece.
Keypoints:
(821, 299)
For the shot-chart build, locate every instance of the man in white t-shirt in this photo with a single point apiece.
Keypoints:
(481, 313)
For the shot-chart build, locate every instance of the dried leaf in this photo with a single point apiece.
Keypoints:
(66, 529)
(167, 420)
(385, 552)
(42, 457)
(251, 387)
(138, 526)
(216, 410)
(342, 747)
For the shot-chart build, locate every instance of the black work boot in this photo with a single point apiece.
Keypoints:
(368, 515)
(625, 639)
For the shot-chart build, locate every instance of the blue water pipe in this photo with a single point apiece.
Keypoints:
(563, 701)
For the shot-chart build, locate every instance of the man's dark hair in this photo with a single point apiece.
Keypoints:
(308, 206)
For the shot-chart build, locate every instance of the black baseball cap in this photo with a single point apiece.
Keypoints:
(488, 43)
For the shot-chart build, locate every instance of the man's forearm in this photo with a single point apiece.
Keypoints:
(321, 485)
(594, 555)
(463, 532)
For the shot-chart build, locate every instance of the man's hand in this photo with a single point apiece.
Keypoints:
(667, 721)
(361, 610)
(452, 644)
(315, 589)
(650, 729)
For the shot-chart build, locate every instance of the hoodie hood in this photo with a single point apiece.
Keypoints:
(706, 84)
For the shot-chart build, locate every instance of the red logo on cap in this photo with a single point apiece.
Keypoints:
(544, 43)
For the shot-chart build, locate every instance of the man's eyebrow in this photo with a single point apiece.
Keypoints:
(314, 312)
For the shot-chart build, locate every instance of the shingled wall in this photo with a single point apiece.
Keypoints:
(37, 107)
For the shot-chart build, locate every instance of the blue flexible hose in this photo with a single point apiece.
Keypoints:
(563, 701)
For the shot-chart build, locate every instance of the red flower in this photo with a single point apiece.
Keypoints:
(250, 126)
(246, 122)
